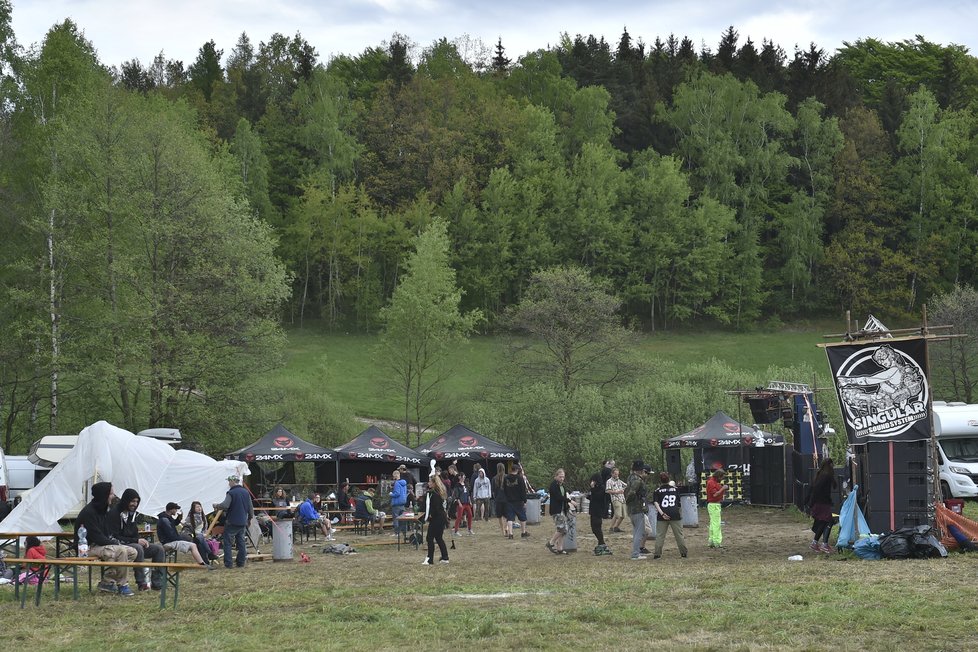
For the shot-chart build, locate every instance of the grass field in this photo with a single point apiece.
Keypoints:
(347, 367)
(499, 594)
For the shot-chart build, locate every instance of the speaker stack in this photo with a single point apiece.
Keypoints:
(897, 484)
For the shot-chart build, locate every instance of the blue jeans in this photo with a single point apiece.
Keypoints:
(638, 532)
(397, 510)
(236, 532)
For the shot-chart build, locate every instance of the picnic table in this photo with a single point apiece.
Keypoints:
(10, 541)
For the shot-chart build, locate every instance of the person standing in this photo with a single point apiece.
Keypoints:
(399, 498)
(240, 512)
(615, 488)
(607, 468)
(437, 519)
(665, 499)
(820, 506)
(499, 504)
(514, 486)
(560, 510)
(482, 493)
(636, 494)
(715, 490)
(596, 510)
(463, 505)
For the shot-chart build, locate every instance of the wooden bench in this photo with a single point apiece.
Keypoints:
(171, 572)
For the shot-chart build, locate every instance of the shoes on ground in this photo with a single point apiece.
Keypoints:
(640, 557)
(617, 529)
(644, 550)
(814, 546)
(683, 555)
(204, 564)
(826, 548)
(107, 587)
(442, 561)
(656, 556)
(426, 563)
(144, 587)
(524, 535)
(471, 532)
(125, 591)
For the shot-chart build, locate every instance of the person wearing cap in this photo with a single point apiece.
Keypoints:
(240, 512)
(166, 529)
(635, 503)
(365, 510)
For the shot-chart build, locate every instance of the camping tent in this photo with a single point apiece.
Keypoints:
(104, 452)
(725, 443)
(372, 452)
(276, 451)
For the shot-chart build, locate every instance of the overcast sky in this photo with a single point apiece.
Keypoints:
(125, 29)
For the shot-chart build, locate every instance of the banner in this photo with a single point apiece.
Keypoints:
(883, 389)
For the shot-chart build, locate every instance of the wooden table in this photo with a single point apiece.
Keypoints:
(10, 541)
(418, 527)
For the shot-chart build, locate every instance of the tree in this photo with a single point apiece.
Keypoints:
(206, 70)
(955, 362)
(500, 62)
(575, 336)
(422, 327)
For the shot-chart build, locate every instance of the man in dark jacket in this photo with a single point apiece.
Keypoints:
(514, 486)
(166, 529)
(122, 525)
(240, 512)
(94, 518)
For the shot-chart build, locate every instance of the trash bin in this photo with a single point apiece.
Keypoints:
(570, 539)
(690, 512)
(282, 540)
(533, 510)
(653, 518)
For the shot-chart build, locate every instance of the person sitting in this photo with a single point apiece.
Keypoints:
(309, 516)
(35, 550)
(365, 510)
(195, 526)
(343, 502)
(166, 529)
(280, 499)
(93, 518)
(122, 525)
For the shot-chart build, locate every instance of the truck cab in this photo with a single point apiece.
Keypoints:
(956, 426)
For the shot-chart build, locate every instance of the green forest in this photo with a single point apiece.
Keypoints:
(165, 222)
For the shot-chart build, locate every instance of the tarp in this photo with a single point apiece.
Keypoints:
(280, 445)
(720, 431)
(106, 453)
(373, 444)
(459, 442)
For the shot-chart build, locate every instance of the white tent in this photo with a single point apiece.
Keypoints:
(105, 453)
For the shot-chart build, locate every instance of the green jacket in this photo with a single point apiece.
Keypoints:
(635, 494)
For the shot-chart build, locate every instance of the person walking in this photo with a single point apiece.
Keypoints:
(636, 494)
(482, 493)
(499, 492)
(514, 486)
(820, 506)
(715, 490)
(561, 510)
(437, 518)
(596, 510)
(665, 499)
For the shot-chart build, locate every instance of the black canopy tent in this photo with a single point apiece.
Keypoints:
(272, 458)
(373, 453)
(725, 443)
(468, 447)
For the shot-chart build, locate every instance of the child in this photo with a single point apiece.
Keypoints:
(35, 550)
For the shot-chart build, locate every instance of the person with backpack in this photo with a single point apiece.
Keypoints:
(635, 503)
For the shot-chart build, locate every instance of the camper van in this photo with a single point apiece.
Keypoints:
(956, 426)
(22, 474)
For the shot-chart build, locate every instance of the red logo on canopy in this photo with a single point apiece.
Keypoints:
(283, 442)
(353, 455)
(378, 442)
(300, 456)
(439, 455)
(468, 441)
(439, 443)
(713, 442)
(484, 454)
(249, 457)
(748, 441)
(730, 426)
(390, 458)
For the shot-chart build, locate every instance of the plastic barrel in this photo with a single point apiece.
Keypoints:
(690, 513)
(282, 540)
(533, 510)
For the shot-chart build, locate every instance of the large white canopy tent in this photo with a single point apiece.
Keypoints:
(104, 452)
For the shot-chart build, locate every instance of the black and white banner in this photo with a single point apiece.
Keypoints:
(883, 389)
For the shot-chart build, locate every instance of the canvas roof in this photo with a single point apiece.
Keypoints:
(722, 430)
(375, 445)
(280, 445)
(104, 452)
(459, 442)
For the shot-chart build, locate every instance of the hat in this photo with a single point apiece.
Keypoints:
(638, 465)
(170, 506)
(402, 468)
(233, 478)
(646, 468)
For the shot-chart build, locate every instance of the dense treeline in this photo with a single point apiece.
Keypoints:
(162, 220)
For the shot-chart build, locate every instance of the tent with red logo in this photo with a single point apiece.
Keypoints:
(466, 448)
(759, 457)
(372, 454)
(272, 458)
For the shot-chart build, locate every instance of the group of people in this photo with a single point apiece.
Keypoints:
(110, 527)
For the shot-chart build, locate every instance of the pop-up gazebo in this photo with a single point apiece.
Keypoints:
(272, 458)
(373, 453)
(468, 447)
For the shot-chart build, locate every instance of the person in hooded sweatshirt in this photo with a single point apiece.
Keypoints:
(122, 525)
(399, 498)
(94, 516)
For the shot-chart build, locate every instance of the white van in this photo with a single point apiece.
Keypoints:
(956, 426)
(22, 474)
